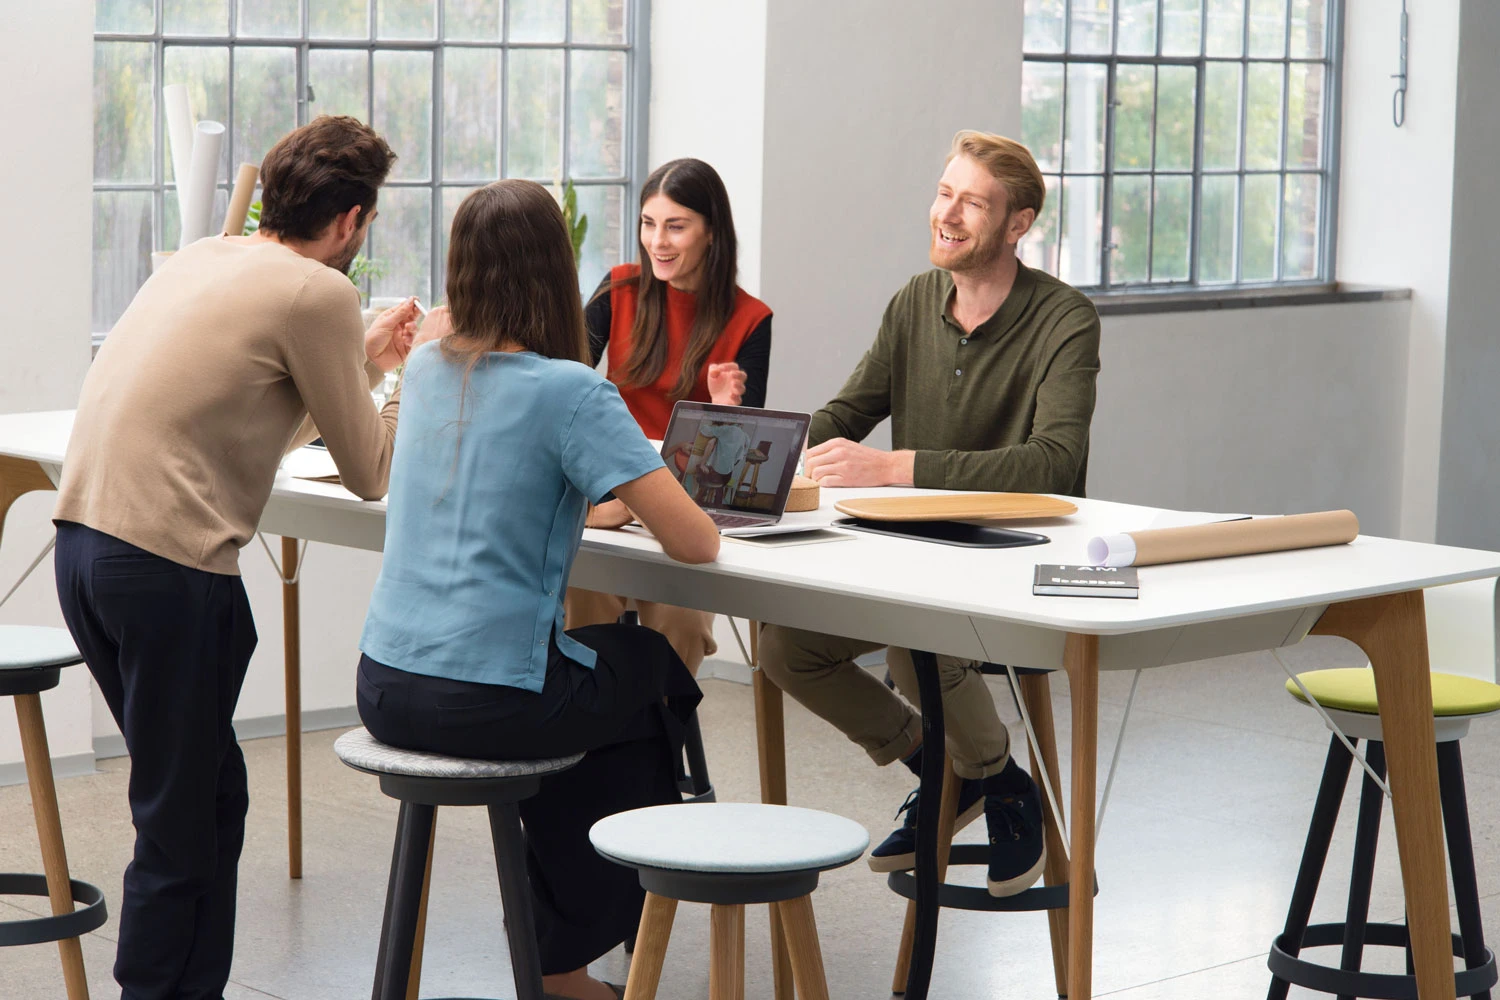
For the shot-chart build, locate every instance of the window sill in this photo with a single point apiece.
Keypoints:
(1140, 303)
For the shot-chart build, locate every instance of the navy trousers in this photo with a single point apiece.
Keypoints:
(168, 647)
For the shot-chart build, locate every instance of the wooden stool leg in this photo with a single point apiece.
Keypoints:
(802, 942)
(651, 947)
(770, 737)
(949, 816)
(1036, 692)
(49, 832)
(291, 644)
(726, 964)
(414, 981)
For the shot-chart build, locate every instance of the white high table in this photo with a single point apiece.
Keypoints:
(978, 604)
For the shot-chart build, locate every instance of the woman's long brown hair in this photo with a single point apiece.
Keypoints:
(696, 185)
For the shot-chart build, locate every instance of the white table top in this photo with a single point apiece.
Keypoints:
(968, 602)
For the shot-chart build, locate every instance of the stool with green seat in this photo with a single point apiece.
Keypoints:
(1348, 696)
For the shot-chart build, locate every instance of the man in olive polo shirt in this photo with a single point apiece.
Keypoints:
(986, 369)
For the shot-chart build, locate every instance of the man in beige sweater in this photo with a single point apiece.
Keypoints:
(238, 349)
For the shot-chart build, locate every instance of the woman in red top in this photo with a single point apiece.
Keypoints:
(680, 328)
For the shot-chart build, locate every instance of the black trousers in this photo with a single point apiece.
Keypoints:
(626, 714)
(168, 647)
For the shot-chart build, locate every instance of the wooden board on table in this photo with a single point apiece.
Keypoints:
(957, 506)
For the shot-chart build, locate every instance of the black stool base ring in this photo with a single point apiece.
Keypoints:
(965, 897)
(39, 930)
(1372, 985)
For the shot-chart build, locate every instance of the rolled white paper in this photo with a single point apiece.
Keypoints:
(174, 98)
(197, 197)
(1112, 550)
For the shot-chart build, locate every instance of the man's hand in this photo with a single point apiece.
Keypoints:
(389, 339)
(611, 514)
(726, 383)
(841, 462)
(438, 324)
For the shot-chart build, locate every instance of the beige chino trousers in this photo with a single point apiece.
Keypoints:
(819, 671)
(691, 633)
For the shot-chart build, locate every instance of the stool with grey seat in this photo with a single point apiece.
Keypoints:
(728, 854)
(422, 782)
(31, 661)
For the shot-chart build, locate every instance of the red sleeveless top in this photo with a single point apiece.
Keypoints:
(651, 405)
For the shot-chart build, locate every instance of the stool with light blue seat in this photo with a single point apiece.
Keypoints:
(421, 782)
(31, 661)
(729, 855)
(1348, 696)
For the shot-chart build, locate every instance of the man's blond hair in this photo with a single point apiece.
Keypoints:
(1008, 162)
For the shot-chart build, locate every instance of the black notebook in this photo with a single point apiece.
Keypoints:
(1085, 581)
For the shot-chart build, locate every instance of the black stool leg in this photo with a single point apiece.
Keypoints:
(696, 784)
(403, 898)
(1461, 854)
(1362, 874)
(1314, 855)
(515, 897)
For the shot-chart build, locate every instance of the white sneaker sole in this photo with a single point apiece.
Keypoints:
(906, 862)
(1022, 882)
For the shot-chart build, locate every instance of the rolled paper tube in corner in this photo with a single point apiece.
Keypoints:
(1240, 538)
(239, 201)
(1112, 550)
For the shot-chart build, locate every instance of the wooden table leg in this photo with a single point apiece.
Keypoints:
(1081, 660)
(1036, 692)
(49, 833)
(1392, 632)
(291, 619)
(770, 742)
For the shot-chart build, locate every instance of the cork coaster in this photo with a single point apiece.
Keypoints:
(804, 494)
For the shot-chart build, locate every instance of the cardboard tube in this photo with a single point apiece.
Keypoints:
(1225, 538)
(197, 198)
(239, 200)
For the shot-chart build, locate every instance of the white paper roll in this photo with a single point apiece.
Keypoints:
(1112, 550)
(197, 196)
(174, 98)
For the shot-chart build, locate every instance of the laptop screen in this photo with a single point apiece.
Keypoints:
(734, 458)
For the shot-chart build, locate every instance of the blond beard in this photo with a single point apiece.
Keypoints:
(978, 256)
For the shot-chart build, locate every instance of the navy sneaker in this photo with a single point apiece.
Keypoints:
(1017, 844)
(898, 852)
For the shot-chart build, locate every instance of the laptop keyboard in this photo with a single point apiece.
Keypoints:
(733, 520)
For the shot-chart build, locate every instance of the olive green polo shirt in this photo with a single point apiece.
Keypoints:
(1005, 408)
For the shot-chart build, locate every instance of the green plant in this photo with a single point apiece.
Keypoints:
(578, 225)
(252, 219)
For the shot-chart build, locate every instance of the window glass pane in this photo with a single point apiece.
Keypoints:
(534, 93)
(537, 20)
(170, 236)
(1041, 112)
(1082, 214)
(472, 20)
(1304, 114)
(471, 114)
(136, 16)
(1090, 26)
(265, 100)
(270, 18)
(122, 252)
(204, 70)
(1038, 247)
(1180, 28)
(400, 243)
(1131, 230)
(599, 21)
(1216, 234)
(1267, 27)
(596, 116)
(1308, 29)
(1263, 117)
(1258, 251)
(1087, 89)
(340, 82)
(406, 19)
(1176, 110)
(403, 110)
(603, 204)
(195, 17)
(1299, 227)
(338, 18)
(452, 198)
(1137, 36)
(1044, 26)
(124, 110)
(1135, 90)
(1226, 28)
(1172, 229)
(1221, 116)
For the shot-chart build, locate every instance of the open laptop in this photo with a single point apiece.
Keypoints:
(736, 462)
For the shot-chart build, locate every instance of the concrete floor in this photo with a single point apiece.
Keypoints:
(1197, 854)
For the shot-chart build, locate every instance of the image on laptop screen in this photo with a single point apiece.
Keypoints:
(734, 458)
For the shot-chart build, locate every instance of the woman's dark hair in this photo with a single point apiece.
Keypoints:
(511, 276)
(318, 172)
(696, 185)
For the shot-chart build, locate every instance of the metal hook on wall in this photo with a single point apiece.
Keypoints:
(1398, 99)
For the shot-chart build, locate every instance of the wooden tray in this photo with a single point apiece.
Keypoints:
(956, 506)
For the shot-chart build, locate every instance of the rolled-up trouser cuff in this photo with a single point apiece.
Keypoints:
(902, 745)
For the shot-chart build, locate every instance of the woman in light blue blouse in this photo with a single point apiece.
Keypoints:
(504, 439)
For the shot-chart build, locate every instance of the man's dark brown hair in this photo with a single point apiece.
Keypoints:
(320, 171)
